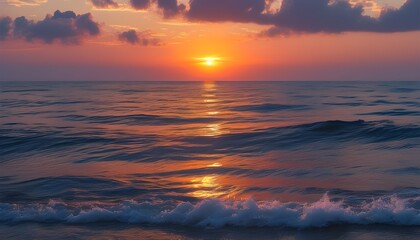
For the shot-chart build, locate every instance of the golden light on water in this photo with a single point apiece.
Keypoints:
(215, 165)
(213, 113)
(211, 109)
(207, 187)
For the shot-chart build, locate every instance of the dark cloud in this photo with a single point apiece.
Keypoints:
(307, 16)
(135, 38)
(65, 27)
(227, 10)
(321, 16)
(407, 18)
(104, 4)
(339, 16)
(5, 27)
(140, 4)
(170, 8)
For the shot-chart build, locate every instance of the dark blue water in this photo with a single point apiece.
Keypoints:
(171, 160)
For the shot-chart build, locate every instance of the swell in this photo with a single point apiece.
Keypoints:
(111, 146)
(76, 189)
(269, 107)
(144, 119)
(394, 113)
(386, 103)
(30, 141)
(390, 210)
(312, 136)
(80, 189)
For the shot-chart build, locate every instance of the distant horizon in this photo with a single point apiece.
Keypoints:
(204, 81)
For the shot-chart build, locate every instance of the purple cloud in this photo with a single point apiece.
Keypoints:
(65, 27)
(298, 16)
(104, 4)
(170, 8)
(5, 27)
(140, 4)
(227, 10)
(135, 38)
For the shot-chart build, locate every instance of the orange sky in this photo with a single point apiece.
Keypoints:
(241, 53)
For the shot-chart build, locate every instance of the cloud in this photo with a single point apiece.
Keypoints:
(64, 27)
(321, 16)
(5, 27)
(135, 38)
(227, 10)
(340, 16)
(140, 4)
(407, 18)
(21, 3)
(308, 16)
(371, 6)
(170, 8)
(104, 4)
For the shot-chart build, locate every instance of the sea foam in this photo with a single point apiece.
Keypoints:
(218, 213)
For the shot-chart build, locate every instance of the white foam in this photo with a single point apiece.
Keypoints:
(218, 213)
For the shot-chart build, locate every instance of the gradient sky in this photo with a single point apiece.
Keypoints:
(248, 39)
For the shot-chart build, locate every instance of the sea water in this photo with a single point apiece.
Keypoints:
(210, 160)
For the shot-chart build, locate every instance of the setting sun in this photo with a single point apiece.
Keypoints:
(209, 61)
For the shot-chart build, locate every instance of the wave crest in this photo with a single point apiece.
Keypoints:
(218, 213)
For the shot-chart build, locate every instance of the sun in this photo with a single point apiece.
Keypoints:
(209, 61)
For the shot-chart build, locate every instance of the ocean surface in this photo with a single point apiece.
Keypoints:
(210, 160)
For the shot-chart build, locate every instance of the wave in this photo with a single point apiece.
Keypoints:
(144, 119)
(347, 104)
(269, 107)
(218, 213)
(151, 148)
(386, 102)
(405, 90)
(406, 171)
(305, 137)
(84, 188)
(22, 103)
(143, 186)
(26, 90)
(309, 136)
(393, 113)
(374, 103)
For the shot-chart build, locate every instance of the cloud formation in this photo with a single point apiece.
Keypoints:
(5, 27)
(21, 3)
(340, 16)
(296, 16)
(407, 18)
(140, 4)
(104, 4)
(65, 27)
(227, 10)
(135, 38)
(170, 8)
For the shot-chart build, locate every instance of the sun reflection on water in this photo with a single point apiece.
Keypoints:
(207, 187)
(215, 165)
(211, 103)
(213, 113)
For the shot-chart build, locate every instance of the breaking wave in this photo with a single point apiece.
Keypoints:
(216, 213)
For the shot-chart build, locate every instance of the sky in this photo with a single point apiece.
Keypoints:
(209, 40)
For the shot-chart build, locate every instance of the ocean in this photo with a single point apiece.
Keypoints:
(209, 160)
